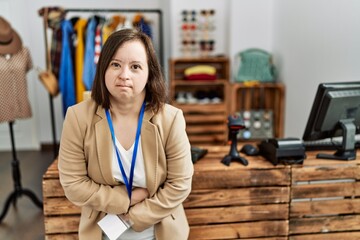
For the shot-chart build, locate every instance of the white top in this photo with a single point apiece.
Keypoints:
(126, 158)
(139, 180)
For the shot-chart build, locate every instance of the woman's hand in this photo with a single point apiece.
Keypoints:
(138, 195)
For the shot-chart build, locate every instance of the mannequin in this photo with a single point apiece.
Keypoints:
(15, 62)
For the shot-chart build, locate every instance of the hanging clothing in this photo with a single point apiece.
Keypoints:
(145, 28)
(110, 26)
(89, 64)
(14, 101)
(54, 15)
(79, 59)
(66, 74)
(98, 43)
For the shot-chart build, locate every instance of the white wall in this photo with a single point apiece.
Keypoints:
(251, 26)
(314, 41)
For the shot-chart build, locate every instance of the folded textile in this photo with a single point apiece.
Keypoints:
(201, 76)
(198, 69)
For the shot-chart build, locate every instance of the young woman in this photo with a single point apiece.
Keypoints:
(125, 151)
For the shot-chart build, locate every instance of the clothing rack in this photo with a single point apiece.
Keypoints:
(97, 10)
(156, 11)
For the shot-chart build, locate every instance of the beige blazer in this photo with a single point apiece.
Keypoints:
(85, 171)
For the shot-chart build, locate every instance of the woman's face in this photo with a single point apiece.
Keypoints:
(127, 73)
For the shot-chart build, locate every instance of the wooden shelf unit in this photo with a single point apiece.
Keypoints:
(267, 96)
(206, 123)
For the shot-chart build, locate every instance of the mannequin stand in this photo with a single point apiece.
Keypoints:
(18, 191)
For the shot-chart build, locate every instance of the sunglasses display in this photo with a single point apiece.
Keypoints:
(197, 33)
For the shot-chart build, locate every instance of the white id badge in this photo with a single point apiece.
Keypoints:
(113, 226)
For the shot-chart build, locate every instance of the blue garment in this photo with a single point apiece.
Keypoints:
(145, 28)
(89, 63)
(66, 71)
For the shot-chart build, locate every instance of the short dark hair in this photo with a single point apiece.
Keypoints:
(156, 94)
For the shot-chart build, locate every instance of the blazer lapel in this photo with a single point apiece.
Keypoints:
(149, 142)
(104, 146)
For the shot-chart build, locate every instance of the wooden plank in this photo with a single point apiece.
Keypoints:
(324, 224)
(230, 178)
(215, 138)
(240, 230)
(326, 173)
(212, 163)
(266, 238)
(312, 161)
(200, 216)
(328, 236)
(64, 236)
(62, 224)
(342, 189)
(52, 188)
(190, 119)
(237, 196)
(201, 83)
(206, 109)
(205, 129)
(329, 207)
(60, 206)
(52, 171)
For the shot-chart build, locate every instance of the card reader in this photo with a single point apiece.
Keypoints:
(284, 150)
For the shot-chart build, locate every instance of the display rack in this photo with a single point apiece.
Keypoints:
(205, 122)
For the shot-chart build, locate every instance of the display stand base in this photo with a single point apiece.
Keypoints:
(19, 191)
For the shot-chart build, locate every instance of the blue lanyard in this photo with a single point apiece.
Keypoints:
(128, 183)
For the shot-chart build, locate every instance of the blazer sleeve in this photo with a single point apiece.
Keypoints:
(177, 185)
(79, 188)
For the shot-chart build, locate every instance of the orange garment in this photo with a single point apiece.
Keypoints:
(111, 25)
(79, 59)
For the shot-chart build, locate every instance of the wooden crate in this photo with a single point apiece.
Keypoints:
(205, 123)
(225, 203)
(61, 217)
(325, 200)
(238, 202)
(264, 96)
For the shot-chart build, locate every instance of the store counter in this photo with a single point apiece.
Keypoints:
(317, 200)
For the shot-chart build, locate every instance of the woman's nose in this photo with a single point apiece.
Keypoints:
(124, 73)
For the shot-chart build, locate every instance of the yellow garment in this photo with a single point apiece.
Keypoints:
(110, 27)
(79, 59)
(106, 31)
(200, 69)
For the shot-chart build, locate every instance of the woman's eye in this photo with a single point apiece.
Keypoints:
(115, 64)
(136, 67)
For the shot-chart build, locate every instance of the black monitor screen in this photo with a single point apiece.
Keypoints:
(335, 112)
